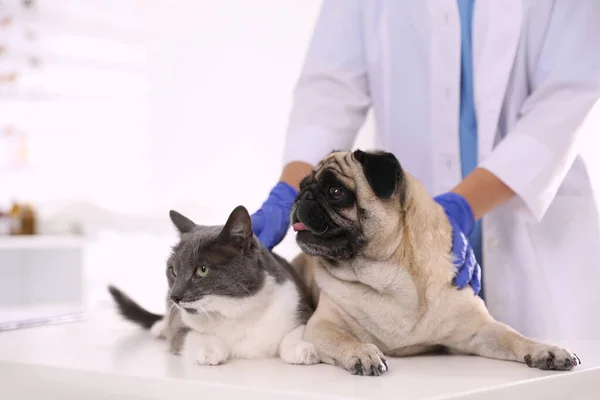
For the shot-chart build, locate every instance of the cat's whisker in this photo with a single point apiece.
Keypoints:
(245, 289)
(201, 308)
(209, 314)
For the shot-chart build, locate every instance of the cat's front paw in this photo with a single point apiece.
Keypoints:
(204, 350)
(300, 352)
(211, 354)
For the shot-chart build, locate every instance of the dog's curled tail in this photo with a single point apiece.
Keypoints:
(132, 311)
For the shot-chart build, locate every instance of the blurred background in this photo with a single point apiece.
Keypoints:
(112, 112)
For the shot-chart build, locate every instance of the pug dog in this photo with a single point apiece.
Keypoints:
(377, 257)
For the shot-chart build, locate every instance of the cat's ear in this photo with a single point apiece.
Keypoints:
(183, 224)
(238, 229)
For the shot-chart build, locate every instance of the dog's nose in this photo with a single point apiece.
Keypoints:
(308, 195)
(176, 298)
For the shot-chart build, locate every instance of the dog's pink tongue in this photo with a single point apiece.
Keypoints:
(299, 226)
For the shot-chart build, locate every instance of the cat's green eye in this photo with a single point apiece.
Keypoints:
(173, 270)
(202, 271)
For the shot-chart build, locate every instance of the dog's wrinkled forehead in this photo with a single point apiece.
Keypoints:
(379, 171)
(340, 164)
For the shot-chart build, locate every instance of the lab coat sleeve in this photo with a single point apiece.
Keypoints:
(534, 158)
(331, 97)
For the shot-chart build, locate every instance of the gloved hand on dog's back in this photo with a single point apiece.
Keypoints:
(461, 219)
(272, 221)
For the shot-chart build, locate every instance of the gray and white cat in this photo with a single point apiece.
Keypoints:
(229, 297)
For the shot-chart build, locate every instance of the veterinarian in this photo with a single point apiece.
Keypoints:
(482, 102)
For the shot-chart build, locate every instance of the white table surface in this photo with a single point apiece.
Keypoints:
(107, 358)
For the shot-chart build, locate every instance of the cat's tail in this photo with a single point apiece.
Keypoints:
(132, 311)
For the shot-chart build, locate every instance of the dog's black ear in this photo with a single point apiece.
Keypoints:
(382, 170)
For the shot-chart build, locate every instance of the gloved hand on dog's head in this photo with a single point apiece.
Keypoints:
(272, 221)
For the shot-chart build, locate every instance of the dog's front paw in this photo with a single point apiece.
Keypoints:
(300, 352)
(552, 358)
(365, 359)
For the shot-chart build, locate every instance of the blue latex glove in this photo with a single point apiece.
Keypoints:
(462, 220)
(271, 222)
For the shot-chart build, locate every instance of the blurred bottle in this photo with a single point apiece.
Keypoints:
(28, 220)
(14, 216)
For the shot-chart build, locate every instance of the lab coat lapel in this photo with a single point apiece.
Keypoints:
(496, 33)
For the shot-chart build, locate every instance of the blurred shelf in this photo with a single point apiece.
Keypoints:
(15, 169)
(10, 98)
(56, 97)
(35, 242)
(52, 58)
(27, 316)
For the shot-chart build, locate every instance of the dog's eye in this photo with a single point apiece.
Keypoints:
(336, 193)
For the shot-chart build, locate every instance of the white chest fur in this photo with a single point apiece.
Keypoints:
(251, 327)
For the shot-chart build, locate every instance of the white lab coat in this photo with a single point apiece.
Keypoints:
(537, 74)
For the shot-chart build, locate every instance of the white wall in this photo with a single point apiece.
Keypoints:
(222, 75)
(142, 105)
